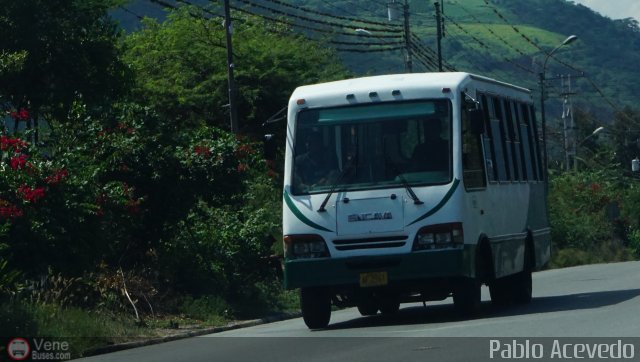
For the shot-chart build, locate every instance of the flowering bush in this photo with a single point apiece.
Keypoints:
(133, 190)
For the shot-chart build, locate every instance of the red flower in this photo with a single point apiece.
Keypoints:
(16, 143)
(31, 195)
(595, 187)
(242, 167)
(21, 115)
(244, 150)
(18, 162)
(10, 212)
(202, 150)
(56, 177)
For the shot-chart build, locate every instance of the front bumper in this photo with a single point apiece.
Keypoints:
(414, 266)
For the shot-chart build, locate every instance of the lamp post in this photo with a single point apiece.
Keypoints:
(575, 151)
(568, 40)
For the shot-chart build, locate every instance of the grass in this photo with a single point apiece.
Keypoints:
(82, 329)
(605, 253)
(88, 329)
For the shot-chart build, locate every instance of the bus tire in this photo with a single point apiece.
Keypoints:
(467, 297)
(522, 282)
(500, 291)
(389, 306)
(368, 307)
(316, 307)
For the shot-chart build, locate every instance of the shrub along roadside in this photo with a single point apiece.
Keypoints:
(594, 217)
(128, 214)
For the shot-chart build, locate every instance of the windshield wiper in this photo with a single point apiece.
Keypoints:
(406, 185)
(344, 172)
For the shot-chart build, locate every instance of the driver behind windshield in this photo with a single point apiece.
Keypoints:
(317, 166)
(433, 153)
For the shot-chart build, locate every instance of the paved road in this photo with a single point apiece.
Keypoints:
(583, 302)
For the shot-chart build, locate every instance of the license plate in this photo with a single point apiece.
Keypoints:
(374, 279)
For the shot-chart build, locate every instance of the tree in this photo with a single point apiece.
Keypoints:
(626, 136)
(181, 67)
(71, 52)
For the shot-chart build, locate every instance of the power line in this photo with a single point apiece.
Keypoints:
(368, 50)
(525, 37)
(320, 30)
(356, 4)
(337, 8)
(304, 18)
(360, 43)
(140, 17)
(307, 10)
(491, 30)
(420, 43)
(426, 61)
(485, 45)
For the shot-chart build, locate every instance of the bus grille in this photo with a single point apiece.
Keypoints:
(370, 243)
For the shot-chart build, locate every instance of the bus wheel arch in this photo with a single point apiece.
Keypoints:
(467, 293)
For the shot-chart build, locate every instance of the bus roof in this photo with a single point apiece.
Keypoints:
(396, 81)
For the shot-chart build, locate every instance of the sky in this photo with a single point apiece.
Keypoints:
(615, 9)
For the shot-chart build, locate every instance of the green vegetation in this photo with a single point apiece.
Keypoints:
(139, 208)
(140, 211)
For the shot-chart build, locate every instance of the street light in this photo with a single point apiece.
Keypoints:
(595, 132)
(568, 40)
(575, 151)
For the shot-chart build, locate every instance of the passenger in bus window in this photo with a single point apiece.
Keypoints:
(433, 153)
(317, 166)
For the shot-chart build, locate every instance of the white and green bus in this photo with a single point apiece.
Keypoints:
(412, 188)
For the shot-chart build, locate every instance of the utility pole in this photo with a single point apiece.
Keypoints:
(407, 38)
(568, 123)
(231, 80)
(392, 9)
(440, 32)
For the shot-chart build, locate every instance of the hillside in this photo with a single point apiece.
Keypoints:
(505, 39)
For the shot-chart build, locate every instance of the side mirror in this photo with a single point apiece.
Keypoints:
(270, 148)
(476, 121)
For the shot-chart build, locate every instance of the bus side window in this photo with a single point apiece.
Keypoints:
(490, 159)
(527, 147)
(513, 121)
(472, 158)
(538, 144)
(502, 154)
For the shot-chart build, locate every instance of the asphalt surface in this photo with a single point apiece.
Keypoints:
(586, 305)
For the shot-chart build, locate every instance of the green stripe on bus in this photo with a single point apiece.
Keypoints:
(300, 215)
(442, 202)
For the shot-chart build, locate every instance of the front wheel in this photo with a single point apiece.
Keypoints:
(368, 307)
(316, 307)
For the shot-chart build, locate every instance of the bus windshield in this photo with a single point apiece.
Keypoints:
(372, 146)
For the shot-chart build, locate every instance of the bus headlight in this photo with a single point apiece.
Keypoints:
(439, 236)
(305, 246)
